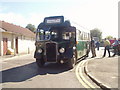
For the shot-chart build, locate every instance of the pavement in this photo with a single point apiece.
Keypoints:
(103, 71)
(8, 57)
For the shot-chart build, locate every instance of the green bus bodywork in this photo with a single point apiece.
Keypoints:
(81, 48)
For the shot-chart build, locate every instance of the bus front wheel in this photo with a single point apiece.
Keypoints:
(72, 62)
(40, 62)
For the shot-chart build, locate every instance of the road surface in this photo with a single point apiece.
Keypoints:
(22, 72)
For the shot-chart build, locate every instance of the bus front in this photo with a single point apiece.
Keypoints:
(55, 40)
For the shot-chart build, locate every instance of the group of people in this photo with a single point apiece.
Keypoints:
(107, 45)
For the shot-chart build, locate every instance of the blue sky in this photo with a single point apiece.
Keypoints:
(28, 7)
(46, 7)
(101, 14)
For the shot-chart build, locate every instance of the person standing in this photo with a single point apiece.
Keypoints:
(115, 47)
(92, 46)
(107, 47)
(97, 45)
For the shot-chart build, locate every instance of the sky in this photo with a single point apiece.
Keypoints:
(87, 14)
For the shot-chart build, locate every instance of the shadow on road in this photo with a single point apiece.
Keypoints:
(28, 71)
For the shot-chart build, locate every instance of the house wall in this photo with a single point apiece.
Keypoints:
(1, 44)
(25, 44)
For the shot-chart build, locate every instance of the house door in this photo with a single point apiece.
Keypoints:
(5, 45)
(16, 45)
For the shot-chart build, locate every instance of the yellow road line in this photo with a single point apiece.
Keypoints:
(80, 76)
(88, 83)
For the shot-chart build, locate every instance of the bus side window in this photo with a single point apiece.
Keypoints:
(79, 35)
(82, 36)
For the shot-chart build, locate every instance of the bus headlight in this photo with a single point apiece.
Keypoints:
(62, 50)
(74, 48)
(40, 50)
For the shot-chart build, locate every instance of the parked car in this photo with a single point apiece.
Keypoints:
(112, 45)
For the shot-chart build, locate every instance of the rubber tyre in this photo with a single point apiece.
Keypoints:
(72, 62)
(40, 62)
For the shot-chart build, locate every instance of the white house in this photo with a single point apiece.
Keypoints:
(15, 38)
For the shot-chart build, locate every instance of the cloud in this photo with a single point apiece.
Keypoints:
(101, 15)
(13, 18)
(19, 19)
(36, 18)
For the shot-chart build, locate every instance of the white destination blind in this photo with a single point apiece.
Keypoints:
(50, 21)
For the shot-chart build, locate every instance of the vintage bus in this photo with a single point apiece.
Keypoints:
(57, 41)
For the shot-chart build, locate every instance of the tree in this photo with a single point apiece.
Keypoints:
(109, 37)
(31, 27)
(96, 33)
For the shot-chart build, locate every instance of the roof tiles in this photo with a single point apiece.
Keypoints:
(16, 29)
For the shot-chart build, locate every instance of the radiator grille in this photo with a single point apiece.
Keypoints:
(51, 52)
